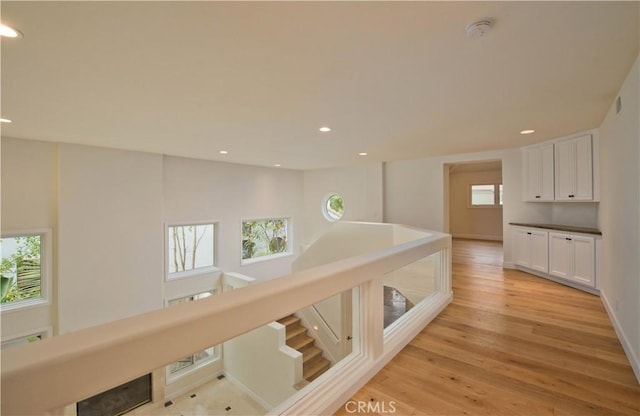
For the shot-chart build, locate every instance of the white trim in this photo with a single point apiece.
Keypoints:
(509, 265)
(268, 257)
(46, 330)
(569, 283)
(477, 237)
(626, 345)
(46, 270)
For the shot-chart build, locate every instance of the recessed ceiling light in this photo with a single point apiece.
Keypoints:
(223, 152)
(9, 32)
(363, 154)
(325, 129)
(277, 165)
(5, 120)
(527, 131)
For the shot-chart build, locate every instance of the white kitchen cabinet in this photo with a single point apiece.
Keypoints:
(573, 161)
(539, 173)
(572, 257)
(532, 249)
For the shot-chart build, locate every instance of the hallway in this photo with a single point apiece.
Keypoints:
(510, 343)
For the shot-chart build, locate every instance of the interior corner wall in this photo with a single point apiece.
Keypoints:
(29, 201)
(473, 222)
(110, 238)
(619, 216)
(227, 193)
(360, 186)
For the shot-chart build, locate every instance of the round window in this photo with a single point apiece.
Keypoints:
(333, 207)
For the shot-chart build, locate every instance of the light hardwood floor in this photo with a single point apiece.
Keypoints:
(509, 344)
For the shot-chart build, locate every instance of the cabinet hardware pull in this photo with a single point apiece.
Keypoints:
(529, 233)
(537, 196)
(567, 238)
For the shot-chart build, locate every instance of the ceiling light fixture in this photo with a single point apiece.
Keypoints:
(277, 165)
(479, 28)
(223, 152)
(5, 120)
(527, 131)
(325, 129)
(9, 32)
(363, 154)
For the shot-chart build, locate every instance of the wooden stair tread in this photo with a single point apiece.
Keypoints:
(315, 368)
(311, 353)
(300, 342)
(289, 320)
(294, 331)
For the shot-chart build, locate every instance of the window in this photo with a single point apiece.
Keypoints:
(190, 247)
(200, 358)
(24, 269)
(28, 339)
(262, 238)
(486, 195)
(333, 207)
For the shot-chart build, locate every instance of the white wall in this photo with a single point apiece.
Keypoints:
(263, 364)
(360, 187)
(619, 217)
(583, 214)
(200, 190)
(473, 222)
(29, 194)
(110, 238)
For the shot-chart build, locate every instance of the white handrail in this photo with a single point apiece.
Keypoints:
(55, 372)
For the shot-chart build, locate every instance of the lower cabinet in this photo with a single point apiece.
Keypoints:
(532, 249)
(572, 257)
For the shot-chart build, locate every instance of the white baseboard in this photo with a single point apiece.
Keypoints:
(508, 265)
(626, 345)
(478, 237)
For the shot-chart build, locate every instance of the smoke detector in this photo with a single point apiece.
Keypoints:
(479, 28)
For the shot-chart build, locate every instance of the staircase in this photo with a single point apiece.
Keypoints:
(313, 363)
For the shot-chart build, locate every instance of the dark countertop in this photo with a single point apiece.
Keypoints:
(559, 227)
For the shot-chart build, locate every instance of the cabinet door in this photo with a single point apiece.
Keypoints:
(523, 247)
(564, 170)
(560, 255)
(583, 264)
(539, 251)
(583, 166)
(546, 173)
(533, 175)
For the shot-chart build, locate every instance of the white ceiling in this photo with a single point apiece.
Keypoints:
(398, 80)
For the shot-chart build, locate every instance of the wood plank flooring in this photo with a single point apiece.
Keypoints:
(509, 344)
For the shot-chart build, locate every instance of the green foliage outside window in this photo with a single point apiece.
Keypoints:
(264, 237)
(20, 269)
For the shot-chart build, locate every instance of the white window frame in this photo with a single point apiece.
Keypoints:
(193, 272)
(496, 195)
(287, 253)
(325, 210)
(46, 270)
(46, 332)
(174, 376)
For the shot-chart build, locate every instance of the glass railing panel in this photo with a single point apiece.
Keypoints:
(251, 374)
(408, 286)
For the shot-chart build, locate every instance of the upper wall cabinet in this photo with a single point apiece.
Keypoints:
(574, 169)
(538, 165)
(562, 170)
